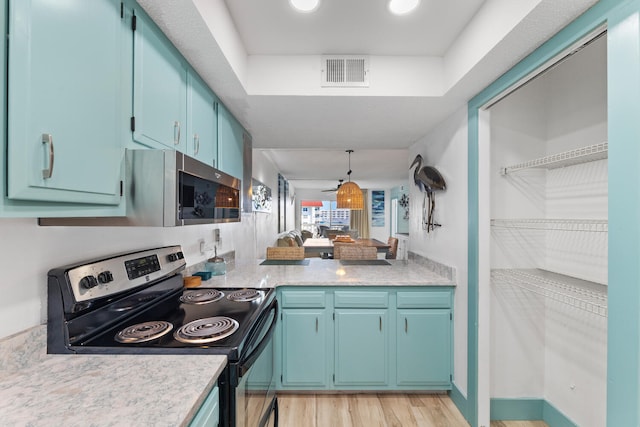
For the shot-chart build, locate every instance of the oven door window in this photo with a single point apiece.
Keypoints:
(256, 389)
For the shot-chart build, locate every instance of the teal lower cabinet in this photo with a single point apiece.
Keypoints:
(209, 413)
(365, 338)
(305, 349)
(361, 347)
(423, 347)
(304, 343)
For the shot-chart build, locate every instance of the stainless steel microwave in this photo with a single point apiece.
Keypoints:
(166, 188)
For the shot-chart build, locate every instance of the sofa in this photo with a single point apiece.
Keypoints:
(292, 238)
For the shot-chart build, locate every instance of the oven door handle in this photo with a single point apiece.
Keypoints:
(246, 364)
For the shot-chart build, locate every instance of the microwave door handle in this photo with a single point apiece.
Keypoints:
(246, 364)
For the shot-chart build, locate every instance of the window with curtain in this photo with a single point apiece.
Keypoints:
(359, 220)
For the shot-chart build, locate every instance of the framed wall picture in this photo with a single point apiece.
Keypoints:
(377, 208)
(261, 197)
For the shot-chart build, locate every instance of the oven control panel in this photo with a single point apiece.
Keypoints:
(123, 272)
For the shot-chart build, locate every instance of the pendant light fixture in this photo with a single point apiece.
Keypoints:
(349, 195)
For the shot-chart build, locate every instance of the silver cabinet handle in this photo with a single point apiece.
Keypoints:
(196, 143)
(47, 138)
(406, 325)
(380, 323)
(316, 325)
(176, 133)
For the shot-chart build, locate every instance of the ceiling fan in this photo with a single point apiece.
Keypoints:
(340, 181)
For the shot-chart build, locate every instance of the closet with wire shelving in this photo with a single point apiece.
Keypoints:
(548, 236)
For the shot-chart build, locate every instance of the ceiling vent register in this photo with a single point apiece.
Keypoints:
(345, 71)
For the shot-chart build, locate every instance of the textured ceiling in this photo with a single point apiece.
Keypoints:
(353, 26)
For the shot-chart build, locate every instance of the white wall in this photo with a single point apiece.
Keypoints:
(446, 149)
(517, 334)
(28, 251)
(265, 172)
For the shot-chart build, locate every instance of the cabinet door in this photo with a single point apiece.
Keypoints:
(423, 347)
(209, 413)
(361, 347)
(230, 143)
(65, 116)
(304, 344)
(159, 88)
(202, 137)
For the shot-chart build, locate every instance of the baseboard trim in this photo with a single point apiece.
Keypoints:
(516, 409)
(459, 400)
(552, 416)
(528, 409)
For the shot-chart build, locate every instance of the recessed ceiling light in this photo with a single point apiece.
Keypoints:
(402, 7)
(305, 5)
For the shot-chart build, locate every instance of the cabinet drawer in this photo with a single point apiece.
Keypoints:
(431, 299)
(303, 299)
(365, 299)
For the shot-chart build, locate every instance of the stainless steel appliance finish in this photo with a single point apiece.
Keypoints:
(135, 303)
(166, 188)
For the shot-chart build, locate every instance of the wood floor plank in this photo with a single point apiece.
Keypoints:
(297, 410)
(439, 411)
(397, 410)
(376, 410)
(333, 410)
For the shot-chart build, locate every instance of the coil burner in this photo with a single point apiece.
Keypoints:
(143, 332)
(206, 330)
(201, 296)
(244, 295)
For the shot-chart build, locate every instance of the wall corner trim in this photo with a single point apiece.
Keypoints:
(459, 400)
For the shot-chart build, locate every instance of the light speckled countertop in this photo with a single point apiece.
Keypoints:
(39, 389)
(322, 272)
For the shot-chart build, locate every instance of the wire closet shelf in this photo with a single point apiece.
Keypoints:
(586, 299)
(589, 225)
(567, 158)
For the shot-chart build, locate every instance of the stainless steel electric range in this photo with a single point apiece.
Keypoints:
(135, 303)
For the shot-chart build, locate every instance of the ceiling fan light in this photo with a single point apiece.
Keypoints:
(349, 196)
(304, 6)
(402, 7)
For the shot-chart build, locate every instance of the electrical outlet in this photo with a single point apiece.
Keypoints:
(202, 247)
(216, 235)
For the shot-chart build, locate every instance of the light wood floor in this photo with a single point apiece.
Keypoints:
(376, 410)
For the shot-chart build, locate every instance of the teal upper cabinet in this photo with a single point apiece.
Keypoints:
(66, 79)
(230, 143)
(159, 88)
(202, 133)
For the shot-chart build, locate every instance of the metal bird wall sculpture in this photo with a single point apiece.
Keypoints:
(428, 180)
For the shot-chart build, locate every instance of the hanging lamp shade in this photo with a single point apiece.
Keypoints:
(349, 195)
